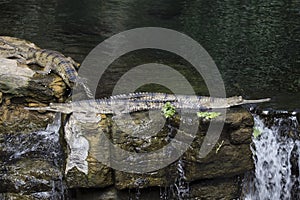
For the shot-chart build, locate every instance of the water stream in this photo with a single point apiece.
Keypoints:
(276, 154)
(34, 160)
(181, 186)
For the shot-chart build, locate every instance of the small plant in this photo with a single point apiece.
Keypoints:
(256, 133)
(219, 146)
(168, 110)
(208, 115)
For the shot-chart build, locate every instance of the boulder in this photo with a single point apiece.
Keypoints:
(225, 188)
(119, 157)
(230, 158)
(31, 154)
(83, 168)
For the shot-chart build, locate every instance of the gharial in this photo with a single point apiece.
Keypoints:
(133, 102)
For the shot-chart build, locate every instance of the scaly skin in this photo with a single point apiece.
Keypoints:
(51, 60)
(42, 57)
(145, 101)
(8, 51)
(63, 66)
(11, 47)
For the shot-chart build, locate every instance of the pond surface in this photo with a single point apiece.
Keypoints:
(255, 45)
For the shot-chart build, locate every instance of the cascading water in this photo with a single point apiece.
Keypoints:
(182, 188)
(275, 152)
(41, 147)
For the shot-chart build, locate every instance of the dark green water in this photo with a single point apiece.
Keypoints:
(254, 44)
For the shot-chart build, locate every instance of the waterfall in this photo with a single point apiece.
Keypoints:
(181, 186)
(276, 176)
(43, 151)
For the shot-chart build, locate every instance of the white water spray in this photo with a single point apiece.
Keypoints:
(182, 188)
(272, 153)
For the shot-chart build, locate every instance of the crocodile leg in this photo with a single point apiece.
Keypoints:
(75, 64)
(30, 61)
(46, 70)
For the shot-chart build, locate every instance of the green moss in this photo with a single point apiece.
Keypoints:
(168, 110)
(208, 115)
(256, 133)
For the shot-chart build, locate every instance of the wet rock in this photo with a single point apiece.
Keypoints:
(98, 176)
(31, 155)
(239, 124)
(113, 154)
(109, 193)
(14, 77)
(21, 81)
(135, 134)
(1, 94)
(239, 118)
(241, 136)
(33, 196)
(230, 156)
(15, 119)
(163, 178)
(231, 160)
(138, 133)
(227, 188)
(29, 176)
(112, 194)
(86, 149)
(31, 163)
